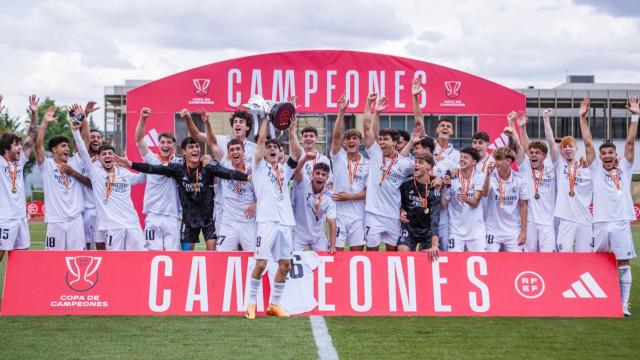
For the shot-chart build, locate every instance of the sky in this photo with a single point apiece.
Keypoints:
(70, 50)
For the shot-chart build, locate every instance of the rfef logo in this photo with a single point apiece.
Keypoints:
(453, 88)
(82, 274)
(529, 284)
(201, 86)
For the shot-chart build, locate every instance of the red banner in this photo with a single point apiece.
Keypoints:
(210, 283)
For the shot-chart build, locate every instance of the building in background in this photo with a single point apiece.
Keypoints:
(115, 112)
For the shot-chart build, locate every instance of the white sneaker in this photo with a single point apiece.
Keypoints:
(625, 310)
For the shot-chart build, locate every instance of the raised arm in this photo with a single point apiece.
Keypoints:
(417, 134)
(258, 154)
(142, 145)
(298, 174)
(381, 106)
(548, 135)
(31, 133)
(522, 124)
(416, 89)
(513, 134)
(634, 108)
(294, 145)
(338, 127)
(212, 140)
(586, 131)
(85, 131)
(191, 126)
(369, 135)
(48, 118)
(81, 147)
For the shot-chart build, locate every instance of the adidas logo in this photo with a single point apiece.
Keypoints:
(500, 141)
(151, 138)
(585, 288)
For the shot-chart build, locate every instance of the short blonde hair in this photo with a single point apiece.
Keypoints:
(504, 153)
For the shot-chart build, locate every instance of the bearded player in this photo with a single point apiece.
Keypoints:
(612, 203)
(274, 216)
(539, 171)
(350, 171)
(161, 203)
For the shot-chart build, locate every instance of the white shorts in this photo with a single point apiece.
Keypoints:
(540, 238)
(458, 244)
(349, 232)
(91, 233)
(495, 243)
(162, 232)
(230, 235)
(14, 234)
(65, 235)
(300, 243)
(443, 229)
(574, 237)
(124, 239)
(381, 229)
(614, 235)
(274, 241)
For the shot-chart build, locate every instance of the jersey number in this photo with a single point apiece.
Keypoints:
(258, 241)
(296, 271)
(149, 234)
(452, 243)
(366, 233)
(489, 239)
(51, 242)
(4, 234)
(220, 240)
(110, 240)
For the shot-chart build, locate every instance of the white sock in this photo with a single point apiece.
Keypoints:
(254, 285)
(624, 271)
(276, 293)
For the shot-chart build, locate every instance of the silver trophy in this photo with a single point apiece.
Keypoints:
(278, 113)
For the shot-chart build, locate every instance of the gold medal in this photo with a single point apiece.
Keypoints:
(14, 190)
(536, 196)
(571, 193)
(426, 211)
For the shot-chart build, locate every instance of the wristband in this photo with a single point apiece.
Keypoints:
(634, 118)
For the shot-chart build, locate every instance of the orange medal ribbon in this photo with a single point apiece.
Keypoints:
(63, 176)
(240, 184)
(615, 179)
(197, 189)
(353, 171)
(14, 176)
(111, 180)
(164, 161)
(537, 181)
(572, 178)
(388, 170)
(424, 200)
(278, 179)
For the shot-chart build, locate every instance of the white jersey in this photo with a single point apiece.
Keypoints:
(482, 165)
(609, 203)
(87, 193)
(573, 208)
(236, 196)
(540, 211)
(441, 167)
(63, 199)
(503, 217)
(13, 203)
(349, 210)
(465, 222)
(449, 153)
(310, 211)
(308, 166)
(161, 192)
(249, 147)
(117, 212)
(298, 295)
(383, 197)
(272, 193)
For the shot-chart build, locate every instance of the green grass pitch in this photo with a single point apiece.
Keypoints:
(354, 338)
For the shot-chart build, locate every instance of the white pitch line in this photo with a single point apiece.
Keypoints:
(326, 350)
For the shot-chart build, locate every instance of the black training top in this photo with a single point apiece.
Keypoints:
(420, 224)
(195, 186)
